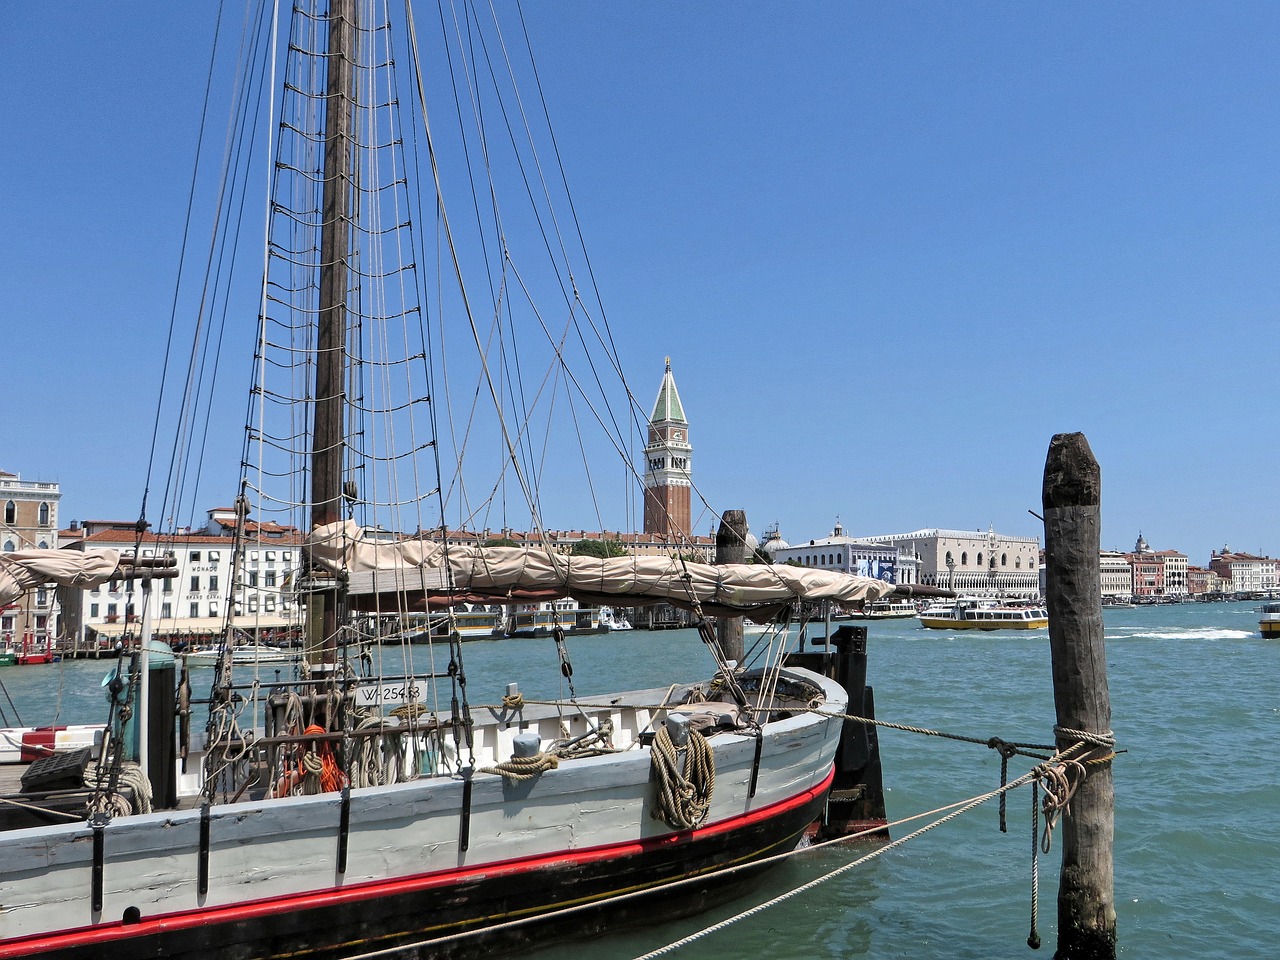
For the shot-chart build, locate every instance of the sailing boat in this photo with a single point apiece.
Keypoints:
(352, 808)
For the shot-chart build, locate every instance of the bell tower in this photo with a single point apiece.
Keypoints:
(668, 463)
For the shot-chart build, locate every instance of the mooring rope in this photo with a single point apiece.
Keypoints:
(958, 807)
(1093, 741)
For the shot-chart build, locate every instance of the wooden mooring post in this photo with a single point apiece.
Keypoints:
(731, 547)
(1072, 497)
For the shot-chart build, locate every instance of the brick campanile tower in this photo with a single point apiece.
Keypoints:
(668, 459)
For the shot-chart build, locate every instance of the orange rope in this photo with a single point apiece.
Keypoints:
(331, 777)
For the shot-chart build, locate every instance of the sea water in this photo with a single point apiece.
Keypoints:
(1195, 695)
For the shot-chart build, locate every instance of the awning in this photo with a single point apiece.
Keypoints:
(192, 625)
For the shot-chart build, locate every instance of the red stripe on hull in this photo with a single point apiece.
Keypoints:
(114, 933)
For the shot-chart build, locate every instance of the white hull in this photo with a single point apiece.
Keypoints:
(275, 850)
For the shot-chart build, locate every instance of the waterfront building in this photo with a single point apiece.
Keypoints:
(1201, 581)
(191, 604)
(1117, 575)
(1245, 572)
(972, 562)
(1176, 566)
(1157, 573)
(844, 554)
(28, 521)
(668, 466)
(1148, 574)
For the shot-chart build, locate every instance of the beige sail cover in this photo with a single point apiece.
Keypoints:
(515, 574)
(21, 571)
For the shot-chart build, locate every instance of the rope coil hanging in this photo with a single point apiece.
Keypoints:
(684, 790)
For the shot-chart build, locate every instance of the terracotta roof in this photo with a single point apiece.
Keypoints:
(178, 539)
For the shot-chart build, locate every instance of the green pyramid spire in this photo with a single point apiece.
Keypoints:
(667, 407)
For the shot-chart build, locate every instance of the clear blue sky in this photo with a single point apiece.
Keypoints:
(921, 237)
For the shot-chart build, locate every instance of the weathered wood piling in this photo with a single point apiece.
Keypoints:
(1072, 499)
(731, 547)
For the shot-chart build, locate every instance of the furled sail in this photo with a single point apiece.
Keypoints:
(25, 569)
(433, 574)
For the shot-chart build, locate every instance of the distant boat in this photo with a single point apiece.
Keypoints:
(886, 610)
(245, 654)
(969, 613)
(615, 620)
(1269, 623)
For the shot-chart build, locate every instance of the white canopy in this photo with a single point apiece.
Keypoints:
(377, 566)
(24, 569)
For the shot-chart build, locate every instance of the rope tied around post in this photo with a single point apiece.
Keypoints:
(513, 701)
(1060, 777)
(524, 768)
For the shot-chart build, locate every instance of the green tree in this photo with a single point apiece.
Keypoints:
(500, 542)
(598, 548)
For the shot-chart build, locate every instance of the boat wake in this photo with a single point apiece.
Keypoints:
(1183, 633)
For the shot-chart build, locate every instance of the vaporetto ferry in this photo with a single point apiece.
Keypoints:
(969, 613)
(1269, 620)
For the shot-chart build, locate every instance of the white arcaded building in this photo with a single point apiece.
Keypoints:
(847, 555)
(971, 562)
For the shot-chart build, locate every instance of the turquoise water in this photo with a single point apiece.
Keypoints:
(1196, 704)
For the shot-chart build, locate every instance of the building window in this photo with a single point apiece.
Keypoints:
(195, 556)
(253, 578)
(43, 515)
(195, 584)
(1004, 559)
(213, 609)
(213, 581)
(269, 578)
(9, 546)
(166, 611)
(10, 512)
(979, 558)
(195, 610)
(215, 555)
(112, 610)
(964, 559)
(93, 610)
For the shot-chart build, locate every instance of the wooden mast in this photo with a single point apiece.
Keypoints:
(328, 438)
